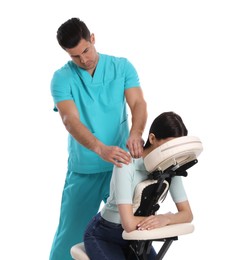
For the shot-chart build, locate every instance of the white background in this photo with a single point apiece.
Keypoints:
(185, 53)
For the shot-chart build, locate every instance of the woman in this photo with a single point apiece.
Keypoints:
(103, 236)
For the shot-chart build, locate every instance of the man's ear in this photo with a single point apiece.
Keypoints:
(93, 38)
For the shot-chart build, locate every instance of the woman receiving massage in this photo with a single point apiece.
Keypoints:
(103, 236)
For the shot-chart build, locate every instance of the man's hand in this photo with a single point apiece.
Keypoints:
(135, 145)
(114, 154)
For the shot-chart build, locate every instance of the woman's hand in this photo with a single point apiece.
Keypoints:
(154, 221)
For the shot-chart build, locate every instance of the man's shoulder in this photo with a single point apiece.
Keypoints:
(65, 70)
(112, 58)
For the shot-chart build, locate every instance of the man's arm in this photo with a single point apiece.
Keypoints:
(71, 119)
(138, 107)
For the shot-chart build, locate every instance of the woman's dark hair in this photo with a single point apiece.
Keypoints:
(167, 124)
(71, 32)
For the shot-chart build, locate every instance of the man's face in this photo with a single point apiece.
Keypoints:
(84, 54)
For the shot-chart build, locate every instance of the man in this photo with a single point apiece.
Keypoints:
(90, 93)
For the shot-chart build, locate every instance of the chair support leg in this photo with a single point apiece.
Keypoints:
(164, 248)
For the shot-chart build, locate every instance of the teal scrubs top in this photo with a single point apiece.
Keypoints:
(101, 103)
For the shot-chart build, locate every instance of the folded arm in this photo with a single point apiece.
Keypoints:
(131, 222)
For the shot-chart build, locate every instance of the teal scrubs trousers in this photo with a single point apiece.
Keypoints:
(81, 199)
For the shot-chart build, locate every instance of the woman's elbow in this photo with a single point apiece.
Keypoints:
(189, 217)
(128, 227)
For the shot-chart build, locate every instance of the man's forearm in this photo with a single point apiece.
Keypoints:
(82, 134)
(139, 119)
